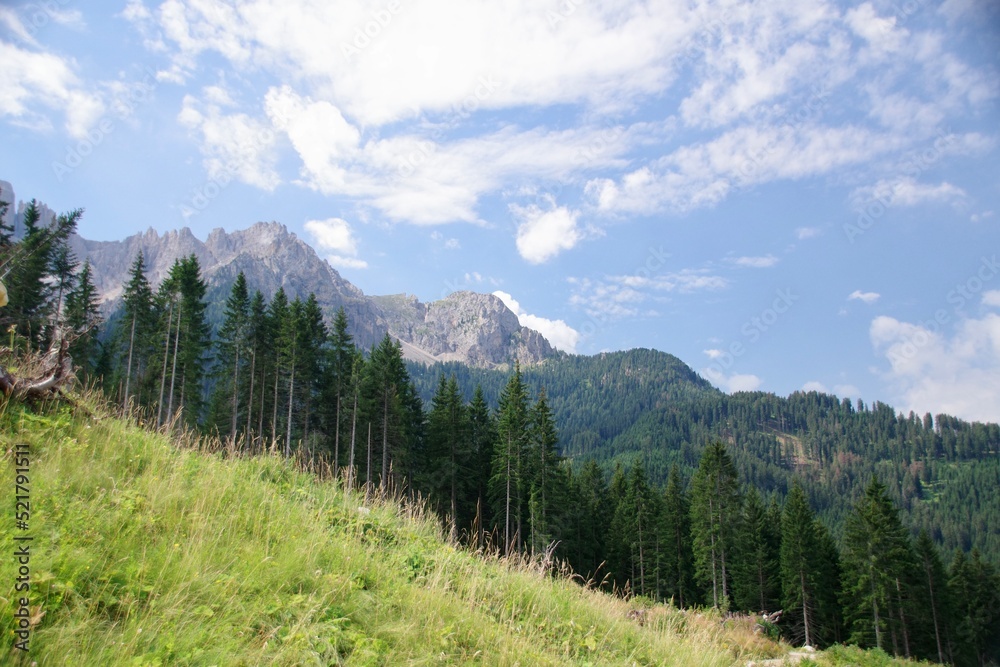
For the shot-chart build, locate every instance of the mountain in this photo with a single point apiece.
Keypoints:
(476, 329)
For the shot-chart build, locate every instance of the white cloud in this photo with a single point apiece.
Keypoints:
(234, 145)
(714, 353)
(932, 371)
(906, 191)
(617, 297)
(543, 234)
(803, 233)
(764, 262)
(992, 298)
(559, 334)
(335, 236)
(813, 385)
(36, 81)
(732, 383)
(866, 297)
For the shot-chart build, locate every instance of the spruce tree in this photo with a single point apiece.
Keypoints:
(876, 558)
(547, 481)
(232, 360)
(935, 598)
(138, 325)
(82, 318)
(757, 582)
(482, 436)
(715, 521)
(677, 559)
(449, 453)
(799, 546)
(507, 483)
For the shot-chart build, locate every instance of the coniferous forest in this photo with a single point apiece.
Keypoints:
(864, 526)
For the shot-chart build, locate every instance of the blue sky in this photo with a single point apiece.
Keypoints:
(787, 195)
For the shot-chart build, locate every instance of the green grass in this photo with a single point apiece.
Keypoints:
(149, 553)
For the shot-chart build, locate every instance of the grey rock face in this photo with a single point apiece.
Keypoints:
(477, 329)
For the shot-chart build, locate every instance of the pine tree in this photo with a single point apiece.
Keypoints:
(338, 384)
(592, 512)
(82, 318)
(449, 453)
(257, 339)
(232, 359)
(637, 516)
(677, 560)
(547, 483)
(934, 599)
(507, 483)
(799, 545)
(277, 315)
(757, 583)
(715, 514)
(876, 558)
(387, 391)
(139, 322)
(482, 436)
(976, 588)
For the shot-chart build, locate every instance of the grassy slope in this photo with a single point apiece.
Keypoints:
(150, 554)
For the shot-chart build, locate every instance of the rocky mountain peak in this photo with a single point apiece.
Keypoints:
(477, 329)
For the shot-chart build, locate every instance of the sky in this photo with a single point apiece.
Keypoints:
(786, 194)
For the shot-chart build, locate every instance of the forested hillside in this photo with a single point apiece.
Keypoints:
(647, 406)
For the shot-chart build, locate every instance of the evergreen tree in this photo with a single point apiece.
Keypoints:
(757, 584)
(715, 514)
(547, 481)
(139, 323)
(677, 560)
(592, 510)
(449, 453)
(232, 360)
(82, 318)
(934, 600)
(261, 363)
(387, 391)
(876, 558)
(482, 436)
(507, 485)
(638, 516)
(799, 547)
(976, 589)
(341, 352)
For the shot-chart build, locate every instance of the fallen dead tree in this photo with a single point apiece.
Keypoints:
(39, 375)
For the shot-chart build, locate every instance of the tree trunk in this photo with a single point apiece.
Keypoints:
(166, 356)
(173, 369)
(128, 368)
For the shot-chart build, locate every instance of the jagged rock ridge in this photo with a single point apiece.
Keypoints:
(477, 329)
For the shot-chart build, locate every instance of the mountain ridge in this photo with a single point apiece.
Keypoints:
(474, 328)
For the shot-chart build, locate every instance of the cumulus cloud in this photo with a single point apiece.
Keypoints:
(732, 383)
(35, 82)
(234, 145)
(543, 234)
(865, 297)
(335, 236)
(991, 298)
(933, 370)
(559, 334)
(814, 385)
